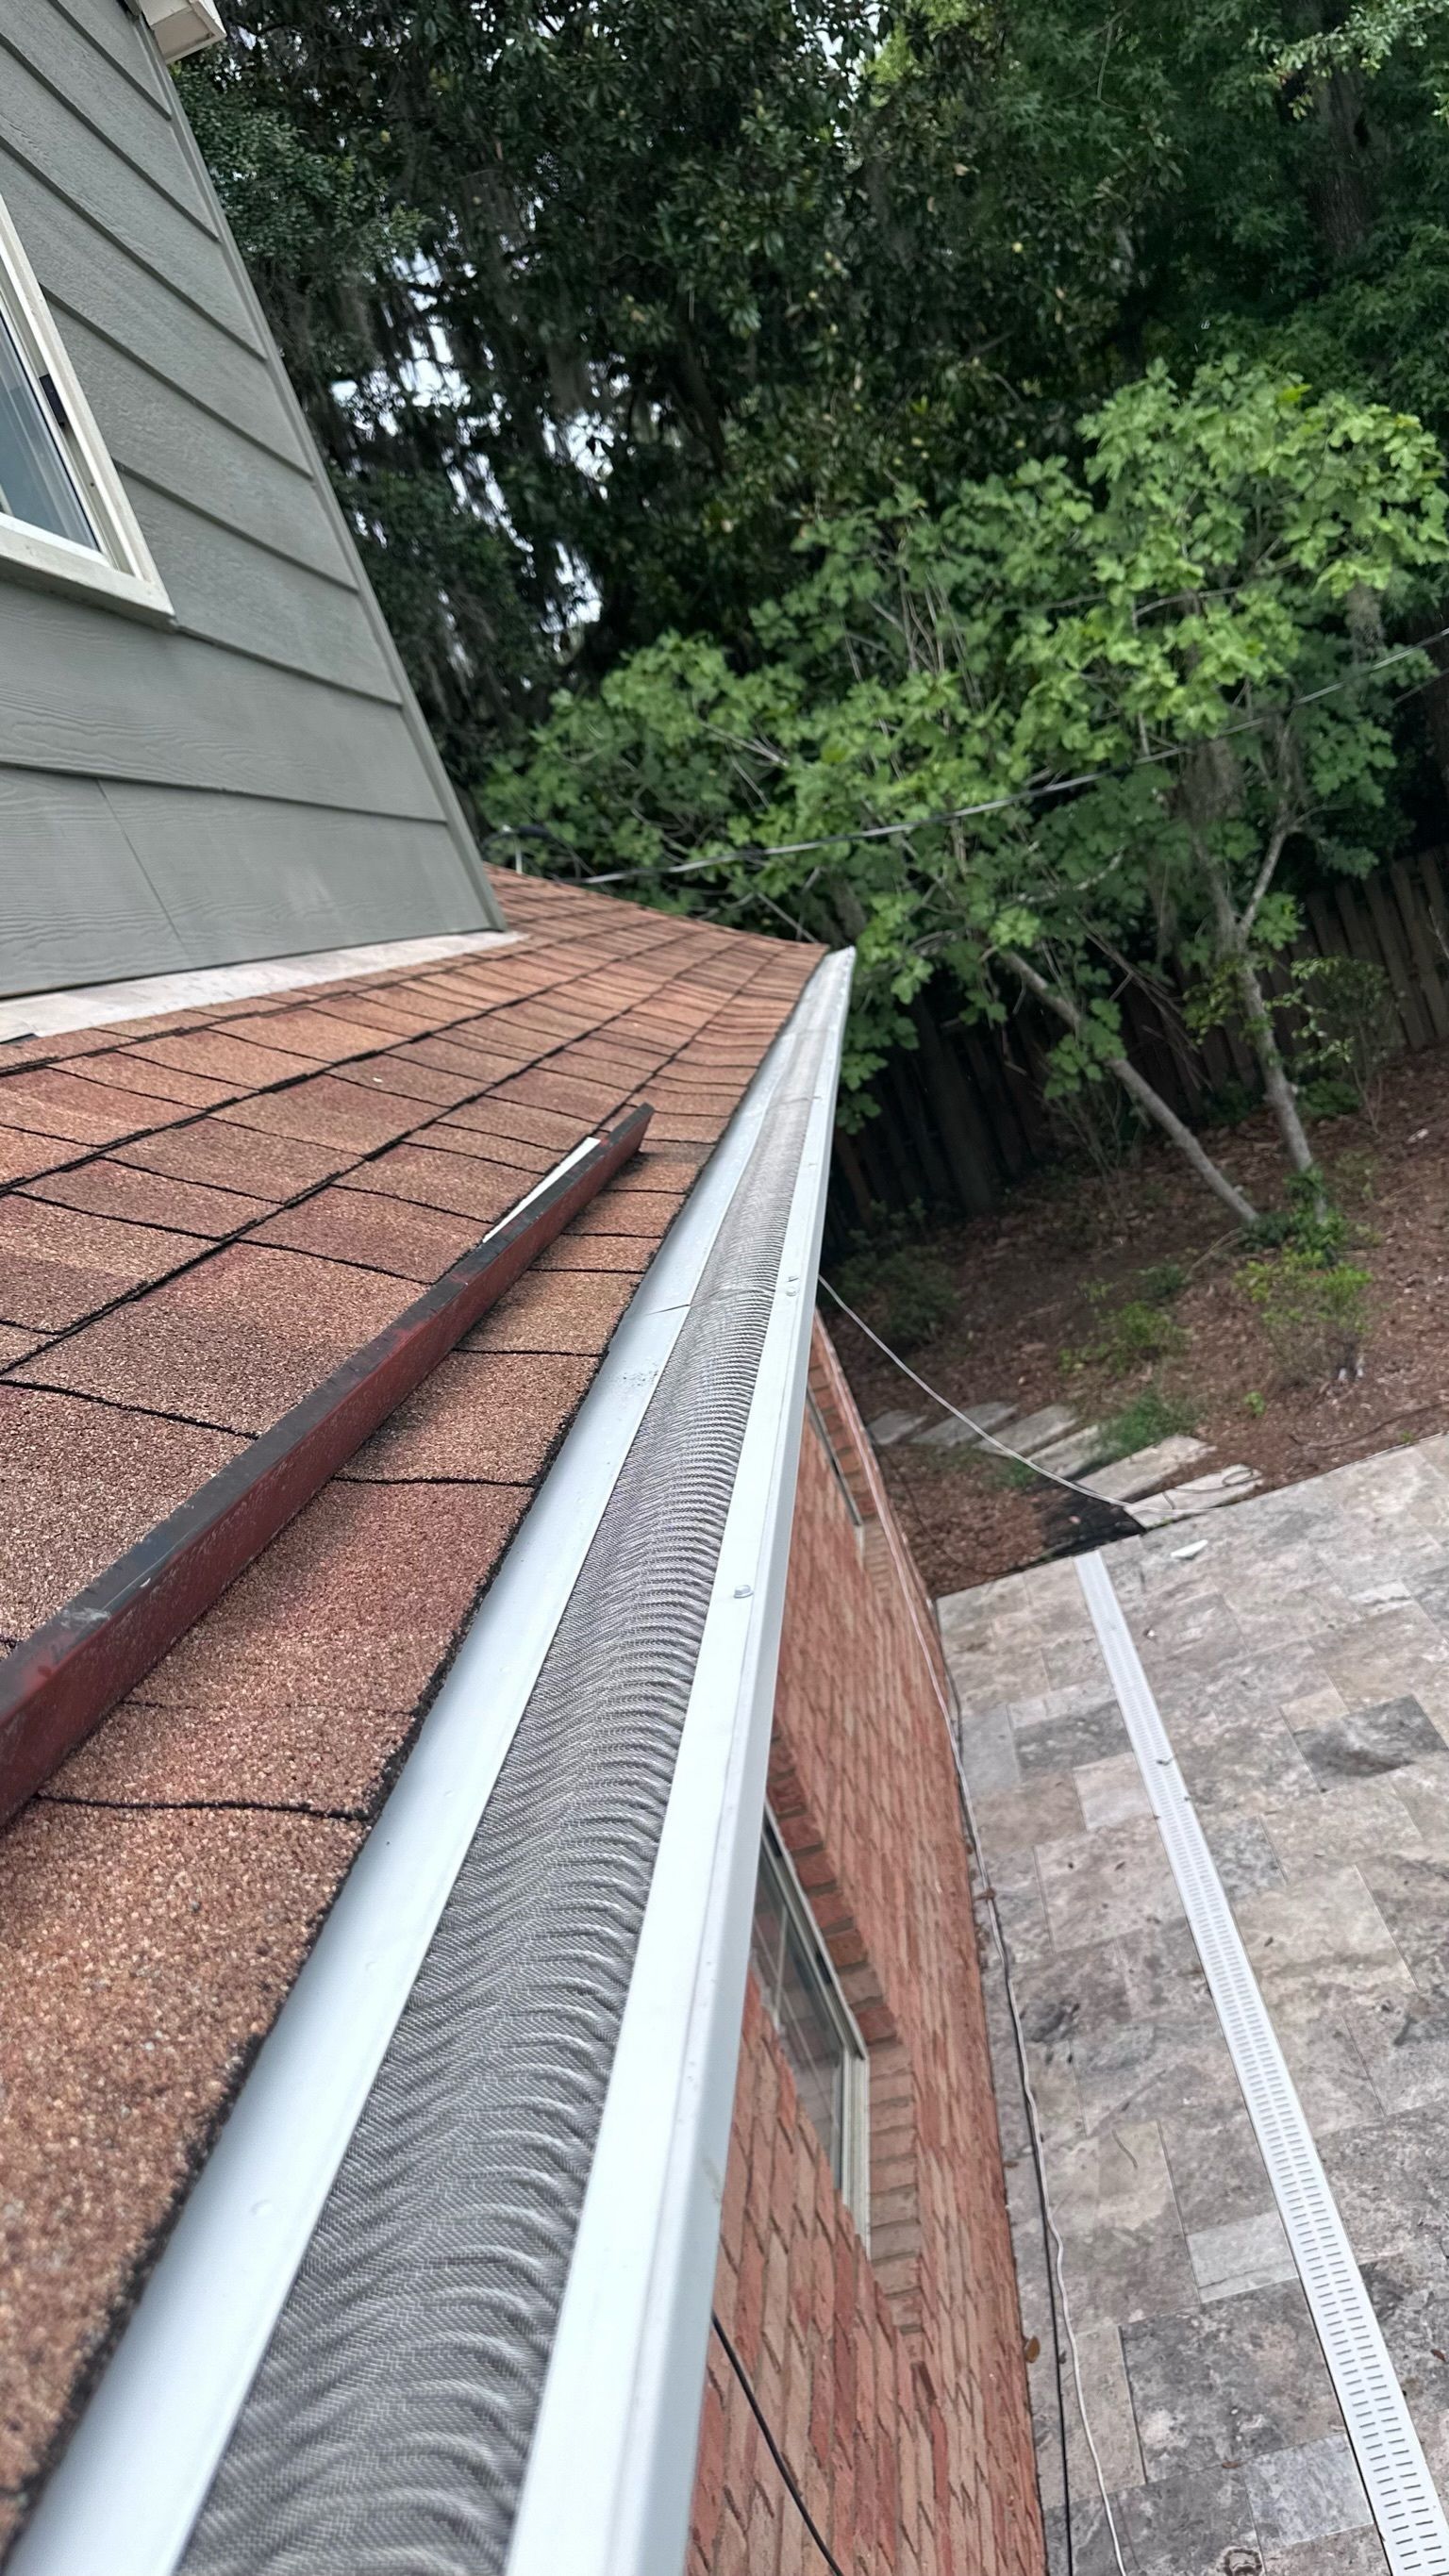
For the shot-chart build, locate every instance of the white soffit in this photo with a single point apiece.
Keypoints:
(183, 27)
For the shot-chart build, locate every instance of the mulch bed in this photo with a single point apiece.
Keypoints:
(1023, 1276)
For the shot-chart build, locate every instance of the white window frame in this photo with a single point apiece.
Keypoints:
(854, 2184)
(123, 573)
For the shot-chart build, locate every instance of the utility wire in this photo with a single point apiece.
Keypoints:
(773, 2447)
(756, 854)
(1069, 1484)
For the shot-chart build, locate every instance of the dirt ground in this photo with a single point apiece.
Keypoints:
(1027, 1321)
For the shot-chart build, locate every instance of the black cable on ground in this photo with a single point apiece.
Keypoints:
(776, 2454)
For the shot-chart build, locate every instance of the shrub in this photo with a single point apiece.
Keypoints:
(1137, 1335)
(1149, 1417)
(906, 1294)
(1161, 1282)
(1314, 1313)
(1347, 1028)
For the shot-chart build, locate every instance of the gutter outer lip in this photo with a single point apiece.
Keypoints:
(126, 2493)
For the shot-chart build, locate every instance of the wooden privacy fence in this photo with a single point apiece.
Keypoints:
(966, 1114)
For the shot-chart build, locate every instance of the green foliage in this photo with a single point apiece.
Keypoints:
(1309, 1224)
(1314, 1314)
(1255, 1403)
(1147, 1417)
(1136, 1335)
(1346, 1029)
(905, 1292)
(1161, 1282)
(1097, 631)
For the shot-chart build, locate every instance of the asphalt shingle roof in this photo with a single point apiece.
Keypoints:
(199, 1218)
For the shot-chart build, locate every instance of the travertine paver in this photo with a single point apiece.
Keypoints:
(1299, 1650)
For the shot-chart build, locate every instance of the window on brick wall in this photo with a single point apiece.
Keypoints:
(817, 2028)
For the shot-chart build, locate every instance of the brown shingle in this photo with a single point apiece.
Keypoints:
(242, 1063)
(132, 1073)
(544, 1090)
(618, 1252)
(57, 1265)
(469, 1186)
(106, 1188)
(355, 1605)
(235, 1341)
(322, 1037)
(327, 1112)
(22, 1155)
(450, 1136)
(383, 1232)
(643, 1212)
(420, 1082)
(235, 1158)
(484, 1415)
(141, 1956)
(479, 1065)
(555, 1311)
(79, 1484)
(263, 1751)
(50, 1103)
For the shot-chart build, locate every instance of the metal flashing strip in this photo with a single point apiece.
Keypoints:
(127, 2493)
(59, 1683)
(1401, 2493)
(187, 988)
(611, 2468)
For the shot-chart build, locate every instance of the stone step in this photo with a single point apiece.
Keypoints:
(888, 1428)
(1041, 1430)
(1079, 1449)
(1204, 1494)
(1147, 1469)
(952, 1434)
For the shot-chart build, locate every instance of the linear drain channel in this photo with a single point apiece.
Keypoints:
(1395, 2473)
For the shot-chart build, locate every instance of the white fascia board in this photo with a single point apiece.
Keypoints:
(183, 27)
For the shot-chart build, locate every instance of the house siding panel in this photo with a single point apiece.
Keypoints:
(894, 2380)
(225, 788)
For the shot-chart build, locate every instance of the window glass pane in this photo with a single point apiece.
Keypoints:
(794, 1990)
(35, 483)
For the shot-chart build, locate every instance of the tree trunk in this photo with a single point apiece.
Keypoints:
(1262, 1037)
(1149, 1101)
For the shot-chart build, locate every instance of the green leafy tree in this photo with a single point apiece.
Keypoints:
(1041, 738)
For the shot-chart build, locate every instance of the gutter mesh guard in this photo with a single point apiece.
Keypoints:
(389, 2425)
(1391, 2462)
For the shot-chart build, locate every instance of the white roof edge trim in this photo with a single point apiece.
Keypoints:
(611, 2470)
(183, 27)
(185, 988)
(128, 2489)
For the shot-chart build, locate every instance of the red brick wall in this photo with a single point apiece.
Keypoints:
(894, 2381)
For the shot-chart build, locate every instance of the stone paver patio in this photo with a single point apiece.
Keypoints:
(1298, 1646)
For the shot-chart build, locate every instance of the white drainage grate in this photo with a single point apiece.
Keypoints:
(1395, 2473)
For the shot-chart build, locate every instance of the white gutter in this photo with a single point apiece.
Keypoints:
(611, 2471)
(126, 2494)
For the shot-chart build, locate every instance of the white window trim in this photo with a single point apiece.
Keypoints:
(854, 2185)
(124, 574)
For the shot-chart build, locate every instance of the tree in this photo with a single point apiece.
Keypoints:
(1074, 722)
